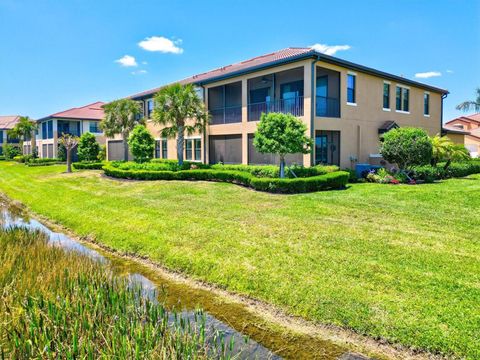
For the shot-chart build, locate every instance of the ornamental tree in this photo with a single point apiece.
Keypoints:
(23, 130)
(407, 147)
(281, 134)
(142, 144)
(69, 142)
(88, 147)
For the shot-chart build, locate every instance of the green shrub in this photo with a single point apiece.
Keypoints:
(159, 165)
(407, 147)
(44, 162)
(88, 147)
(102, 154)
(10, 151)
(141, 144)
(61, 153)
(332, 180)
(92, 165)
(461, 169)
(2, 157)
(429, 173)
(22, 158)
(273, 171)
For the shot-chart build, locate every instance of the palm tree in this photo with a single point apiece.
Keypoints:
(471, 104)
(445, 150)
(180, 110)
(22, 130)
(121, 116)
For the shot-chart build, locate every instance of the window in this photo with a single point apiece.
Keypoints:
(351, 80)
(193, 149)
(44, 130)
(94, 127)
(149, 107)
(386, 96)
(426, 104)
(164, 149)
(161, 149)
(1, 136)
(402, 99)
(50, 129)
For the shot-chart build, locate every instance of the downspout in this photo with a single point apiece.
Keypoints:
(205, 130)
(441, 115)
(312, 110)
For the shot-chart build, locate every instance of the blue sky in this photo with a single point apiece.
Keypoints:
(60, 54)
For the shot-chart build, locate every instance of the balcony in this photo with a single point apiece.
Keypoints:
(226, 115)
(327, 107)
(277, 92)
(292, 106)
(327, 103)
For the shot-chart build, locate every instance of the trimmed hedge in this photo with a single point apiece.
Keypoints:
(273, 171)
(44, 162)
(430, 173)
(334, 180)
(84, 165)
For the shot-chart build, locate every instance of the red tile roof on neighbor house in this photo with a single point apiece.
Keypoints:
(92, 111)
(9, 121)
(279, 57)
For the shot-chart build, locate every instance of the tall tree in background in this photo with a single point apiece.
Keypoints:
(121, 116)
(174, 105)
(471, 104)
(69, 142)
(24, 129)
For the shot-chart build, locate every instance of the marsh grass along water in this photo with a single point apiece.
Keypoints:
(90, 280)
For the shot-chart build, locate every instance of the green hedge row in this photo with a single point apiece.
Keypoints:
(334, 180)
(43, 162)
(88, 165)
(430, 173)
(273, 171)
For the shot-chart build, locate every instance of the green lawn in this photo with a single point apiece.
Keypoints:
(397, 262)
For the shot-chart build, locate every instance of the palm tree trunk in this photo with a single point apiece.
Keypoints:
(125, 147)
(282, 166)
(180, 143)
(69, 160)
(33, 144)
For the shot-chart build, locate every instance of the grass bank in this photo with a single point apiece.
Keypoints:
(56, 303)
(395, 262)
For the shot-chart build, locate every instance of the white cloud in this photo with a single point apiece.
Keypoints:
(428, 74)
(161, 44)
(139, 72)
(450, 71)
(330, 49)
(127, 61)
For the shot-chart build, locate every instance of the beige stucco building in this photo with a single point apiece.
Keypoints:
(465, 130)
(345, 106)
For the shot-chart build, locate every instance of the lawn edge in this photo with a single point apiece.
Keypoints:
(346, 337)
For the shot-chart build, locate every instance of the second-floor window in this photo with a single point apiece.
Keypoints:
(402, 99)
(351, 85)
(149, 108)
(1, 136)
(94, 127)
(47, 130)
(426, 104)
(386, 96)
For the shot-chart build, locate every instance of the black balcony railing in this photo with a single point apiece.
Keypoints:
(226, 115)
(292, 106)
(327, 107)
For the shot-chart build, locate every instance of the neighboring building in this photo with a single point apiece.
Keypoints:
(75, 121)
(345, 106)
(465, 130)
(7, 123)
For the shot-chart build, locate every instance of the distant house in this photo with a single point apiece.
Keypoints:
(7, 123)
(465, 130)
(74, 121)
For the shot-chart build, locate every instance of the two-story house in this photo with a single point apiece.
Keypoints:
(345, 106)
(75, 121)
(7, 123)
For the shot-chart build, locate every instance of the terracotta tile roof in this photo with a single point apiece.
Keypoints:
(92, 111)
(467, 118)
(284, 54)
(278, 57)
(9, 121)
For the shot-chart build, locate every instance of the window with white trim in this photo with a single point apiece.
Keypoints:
(386, 96)
(351, 85)
(193, 149)
(426, 104)
(161, 151)
(402, 99)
